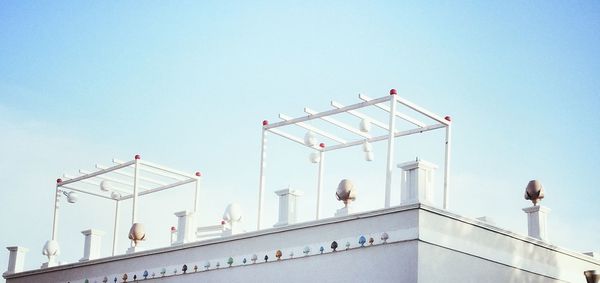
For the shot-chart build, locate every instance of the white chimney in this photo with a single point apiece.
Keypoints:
(186, 227)
(92, 244)
(287, 206)
(417, 182)
(16, 259)
(537, 221)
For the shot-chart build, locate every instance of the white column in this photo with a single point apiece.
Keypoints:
(16, 259)
(186, 227)
(135, 191)
(417, 182)
(287, 206)
(390, 151)
(261, 187)
(92, 244)
(537, 221)
(115, 228)
(320, 182)
(197, 193)
(447, 169)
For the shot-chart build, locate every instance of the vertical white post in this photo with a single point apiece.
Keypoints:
(390, 151)
(16, 259)
(115, 228)
(135, 195)
(92, 244)
(197, 194)
(447, 170)
(261, 188)
(537, 222)
(320, 182)
(55, 216)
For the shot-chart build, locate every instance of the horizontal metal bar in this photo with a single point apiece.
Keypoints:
(385, 137)
(85, 192)
(339, 124)
(211, 228)
(176, 184)
(150, 180)
(115, 188)
(291, 137)
(399, 115)
(361, 115)
(111, 179)
(313, 129)
(328, 113)
(100, 172)
(160, 170)
(422, 110)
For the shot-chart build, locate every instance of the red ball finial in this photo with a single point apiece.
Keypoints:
(137, 156)
(173, 229)
(198, 174)
(222, 222)
(448, 118)
(322, 145)
(265, 122)
(59, 180)
(393, 91)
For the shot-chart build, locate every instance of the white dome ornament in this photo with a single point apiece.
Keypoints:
(346, 192)
(310, 139)
(365, 125)
(314, 157)
(105, 186)
(115, 195)
(233, 219)
(51, 250)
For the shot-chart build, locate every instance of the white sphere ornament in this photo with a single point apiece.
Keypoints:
(314, 157)
(72, 197)
(115, 195)
(233, 213)
(369, 156)
(137, 233)
(105, 186)
(346, 192)
(310, 139)
(365, 125)
(51, 248)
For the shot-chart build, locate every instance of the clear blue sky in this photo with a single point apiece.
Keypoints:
(187, 84)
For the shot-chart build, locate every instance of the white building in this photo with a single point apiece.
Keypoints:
(412, 242)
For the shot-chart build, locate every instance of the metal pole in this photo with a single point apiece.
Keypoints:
(135, 191)
(55, 217)
(447, 170)
(390, 151)
(196, 196)
(261, 187)
(320, 182)
(116, 227)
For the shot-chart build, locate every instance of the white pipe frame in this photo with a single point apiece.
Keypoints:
(352, 109)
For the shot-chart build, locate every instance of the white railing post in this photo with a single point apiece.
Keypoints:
(115, 228)
(390, 149)
(320, 180)
(92, 244)
(447, 166)
(261, 187)
(16, 259)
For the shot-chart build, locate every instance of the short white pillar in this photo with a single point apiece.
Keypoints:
(186, 227)
(16, 259)
(287, 206)
(92, 244)
(537, 219)
(417, 182)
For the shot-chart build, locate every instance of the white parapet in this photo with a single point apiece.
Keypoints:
(92, 244)
(288, 206)
(16, 259)
(417, 182)
(186, 227)
(537, 222)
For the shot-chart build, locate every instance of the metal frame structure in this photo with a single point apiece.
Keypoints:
(147, 178)
(392, 102)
